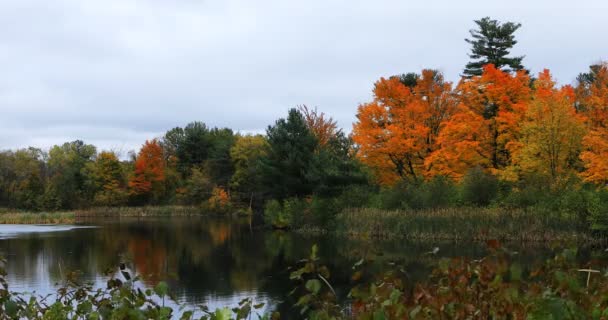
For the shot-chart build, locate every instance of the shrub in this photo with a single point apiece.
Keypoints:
(528, 196)
(273, 214)
(578, 203)
(295, 209)
(479, 188)
(390, 198)
(439, 192)
(285, 216)
(598, 216)
(219, 200)
(356, 196)
(324, 211)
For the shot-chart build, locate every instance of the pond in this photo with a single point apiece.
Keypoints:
(212, 261)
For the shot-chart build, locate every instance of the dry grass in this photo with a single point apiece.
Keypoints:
(146, 211)
(459, 224)
(37, 217)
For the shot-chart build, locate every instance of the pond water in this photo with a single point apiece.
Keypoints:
(210, 261)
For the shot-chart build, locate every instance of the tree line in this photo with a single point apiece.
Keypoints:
(498, 119)
(301, 154)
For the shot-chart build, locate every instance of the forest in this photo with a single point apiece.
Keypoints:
(499, 138)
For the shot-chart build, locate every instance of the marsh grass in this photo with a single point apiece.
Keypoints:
(146, 211)
(8, 217)
(461, 224)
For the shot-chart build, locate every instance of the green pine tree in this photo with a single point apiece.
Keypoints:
(491, 43)
(290, 154)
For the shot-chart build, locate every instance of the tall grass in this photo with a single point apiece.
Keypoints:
(459, 224)
(146, 211)
(37, 217)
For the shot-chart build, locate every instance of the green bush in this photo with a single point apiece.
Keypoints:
(295, 210)
(390, 198)
(291, 213)
(479, 188)
(274, 216)
(578, 203)
(439, 192)
(324, 211)
(526, 197)
(598, 216)
(356, 196)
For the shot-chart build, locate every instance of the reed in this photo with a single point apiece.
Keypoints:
(37, 217)
(145, 211)
(460, 224)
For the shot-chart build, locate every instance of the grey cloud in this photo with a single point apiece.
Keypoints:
(117, 72)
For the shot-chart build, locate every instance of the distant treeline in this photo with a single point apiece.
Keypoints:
(301, 155)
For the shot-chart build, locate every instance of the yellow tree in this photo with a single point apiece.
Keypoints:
(109, 179)
(592, 100)
(551, 132)
(398, 129)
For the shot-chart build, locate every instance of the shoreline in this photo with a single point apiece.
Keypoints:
(452, 224)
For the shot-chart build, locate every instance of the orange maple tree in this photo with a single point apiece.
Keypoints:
(398, 129)
(463, 144)
(487, 125)
(592, 96)
(149, 173)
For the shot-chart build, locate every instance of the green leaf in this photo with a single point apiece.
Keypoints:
(10, 307)
(313, 252)
(313, 286)
(186, 315)
(515, 272)
(395, 295)
(161, 289)
(165, 312)
(222, 314)
(379, 315)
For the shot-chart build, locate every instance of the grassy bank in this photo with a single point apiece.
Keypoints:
(9, 216)
(460, 224)
(37, 217)
(145, 211)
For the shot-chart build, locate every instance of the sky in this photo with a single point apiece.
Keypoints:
(117, 72)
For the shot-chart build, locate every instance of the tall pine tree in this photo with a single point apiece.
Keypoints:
(291, 147)
(492, 43)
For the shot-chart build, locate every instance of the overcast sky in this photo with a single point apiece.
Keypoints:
(117, 72)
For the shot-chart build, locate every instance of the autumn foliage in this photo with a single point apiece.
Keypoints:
(502, 122)
(593, 98)
(321, 126)
(399, 129)
(220, 199)
(149, 173)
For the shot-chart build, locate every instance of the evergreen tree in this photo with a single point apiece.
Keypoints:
(491, 44)
(290, 153)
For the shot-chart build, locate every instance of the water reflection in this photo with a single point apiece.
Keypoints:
(207, 260)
